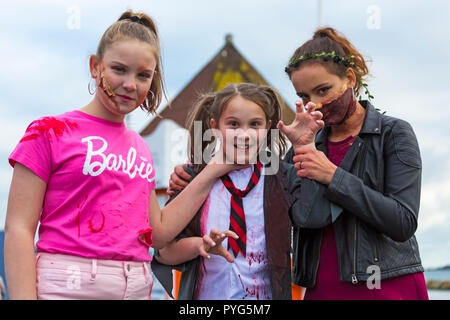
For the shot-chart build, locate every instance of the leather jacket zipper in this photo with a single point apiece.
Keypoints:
(375, 249)
(360, 172)
(354, 278)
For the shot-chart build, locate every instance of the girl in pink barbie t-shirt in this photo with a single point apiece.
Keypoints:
(89, 181)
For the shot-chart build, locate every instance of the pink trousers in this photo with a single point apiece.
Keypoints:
(62, 277)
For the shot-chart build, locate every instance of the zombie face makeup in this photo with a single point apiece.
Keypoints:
(104, 84)
(105, 93)
(340, 109)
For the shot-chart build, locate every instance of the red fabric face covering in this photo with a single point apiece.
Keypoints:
(340, 109)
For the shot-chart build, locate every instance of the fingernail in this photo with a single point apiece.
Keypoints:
(213, 244)
(223, 235)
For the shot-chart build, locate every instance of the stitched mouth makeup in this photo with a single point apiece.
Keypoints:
(104, 84)
(338, 109)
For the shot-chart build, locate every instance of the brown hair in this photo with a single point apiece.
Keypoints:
(211, 106)
(138, 26)
(328, 40)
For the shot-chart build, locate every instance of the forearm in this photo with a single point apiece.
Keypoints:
(178, 252)
(176, 215)
(187, 203)
(25, 201)
(20, 264)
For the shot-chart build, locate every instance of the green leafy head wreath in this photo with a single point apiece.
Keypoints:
(347, 61)
(333, 50)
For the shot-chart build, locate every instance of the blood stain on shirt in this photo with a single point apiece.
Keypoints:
(145, 236)
(44, 125)
(249, 292)
(101, 225)
(80, 207)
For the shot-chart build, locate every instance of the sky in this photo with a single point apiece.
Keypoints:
(46, 47)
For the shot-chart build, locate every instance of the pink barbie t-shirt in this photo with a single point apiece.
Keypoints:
(99, 177)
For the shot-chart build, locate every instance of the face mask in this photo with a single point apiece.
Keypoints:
(340, 109)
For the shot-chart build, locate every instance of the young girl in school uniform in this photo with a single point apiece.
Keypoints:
(252, 205)
(90, 183)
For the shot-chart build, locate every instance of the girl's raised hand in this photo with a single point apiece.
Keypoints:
(212, 243)
(303, 129)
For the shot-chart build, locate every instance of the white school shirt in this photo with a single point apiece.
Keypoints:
(245, 278)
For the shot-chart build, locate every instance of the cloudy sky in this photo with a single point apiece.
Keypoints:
(46, 46)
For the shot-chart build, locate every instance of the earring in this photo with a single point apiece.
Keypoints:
(92, 92)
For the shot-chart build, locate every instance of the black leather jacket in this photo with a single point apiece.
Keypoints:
(378, 186)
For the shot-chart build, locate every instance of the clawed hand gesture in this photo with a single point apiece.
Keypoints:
(212, 243)
(302, 131)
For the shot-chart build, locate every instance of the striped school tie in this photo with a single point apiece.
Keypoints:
(237, 215)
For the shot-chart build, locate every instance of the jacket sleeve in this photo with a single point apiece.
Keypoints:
(288, 158)
(394, 211)
(311, 208)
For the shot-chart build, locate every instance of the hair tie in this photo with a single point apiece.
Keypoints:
(136, 19)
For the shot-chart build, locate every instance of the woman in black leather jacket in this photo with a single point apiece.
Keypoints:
(370, 164)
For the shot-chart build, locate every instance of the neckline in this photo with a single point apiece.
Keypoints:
(243, 171)
(345, 141)
(98, 119)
